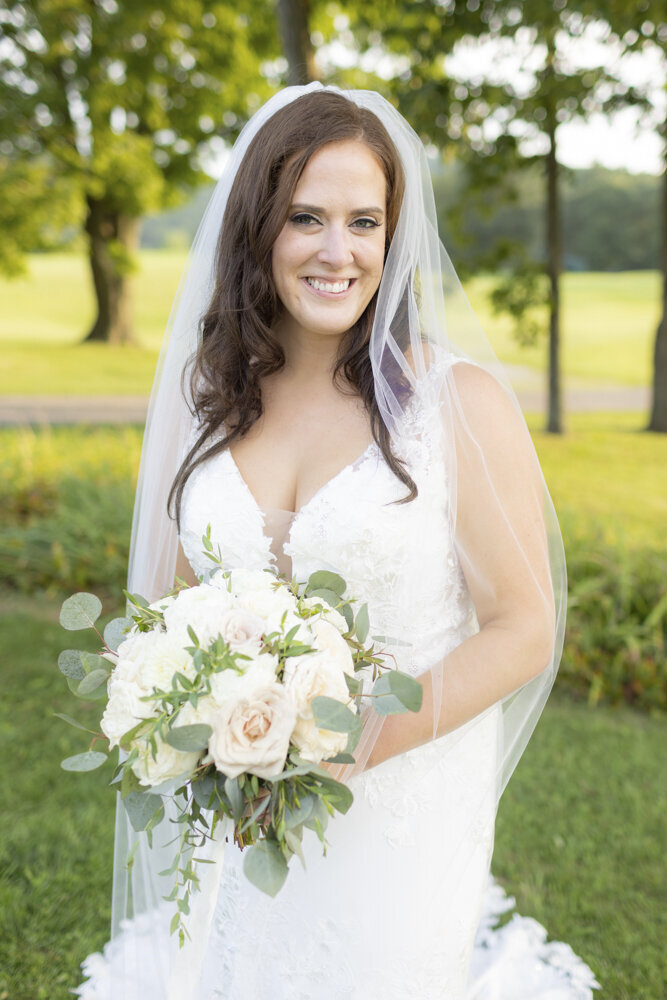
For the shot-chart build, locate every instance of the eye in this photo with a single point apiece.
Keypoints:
(303, 219)
(365, 223)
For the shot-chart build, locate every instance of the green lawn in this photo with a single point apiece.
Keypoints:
(608, 327)
(579, 840)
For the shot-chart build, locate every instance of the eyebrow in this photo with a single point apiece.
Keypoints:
(373, 210)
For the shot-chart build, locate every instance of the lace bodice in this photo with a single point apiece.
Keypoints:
(399, 558)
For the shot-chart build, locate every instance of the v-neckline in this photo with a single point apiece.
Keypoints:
(294, 514)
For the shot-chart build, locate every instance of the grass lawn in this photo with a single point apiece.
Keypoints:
(609, 322)
(579, 840)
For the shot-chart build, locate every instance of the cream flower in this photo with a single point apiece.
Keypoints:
(252, 732)
(308, 676)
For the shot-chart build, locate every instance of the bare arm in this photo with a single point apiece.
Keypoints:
(502, 545)
(183, 568)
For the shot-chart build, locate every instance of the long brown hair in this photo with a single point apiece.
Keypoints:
(238, 347)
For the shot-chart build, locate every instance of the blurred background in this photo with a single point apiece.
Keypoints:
(544, 124)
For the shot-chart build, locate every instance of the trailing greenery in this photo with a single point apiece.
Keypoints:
(577, 843)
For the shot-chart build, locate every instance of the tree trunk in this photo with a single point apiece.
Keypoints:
(554, 268)
(658, 420)
(293, 22)
(113, 323)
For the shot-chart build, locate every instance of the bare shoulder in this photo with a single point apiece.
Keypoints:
(483, 401)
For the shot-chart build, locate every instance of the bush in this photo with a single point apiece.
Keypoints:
(615, 648)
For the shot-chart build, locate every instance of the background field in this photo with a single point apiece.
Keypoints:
(609, 324)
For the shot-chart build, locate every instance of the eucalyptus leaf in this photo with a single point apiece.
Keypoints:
(236, 797)
(334, 715)
(80, 611)
(354, 684)
(338, 794)
(92, 661)
(295, 815)
(329, 597)
(69, 664)
(141, 807)
(114, 633)
(398, 693)
(341, 758)
(294, 845)
(72, 722)
(189, 738)
(324, 580)
(264, 865)
(362, 623)
(293, 772)
(346, 611)
(203, 789)
(319, 818)
(88, 761)
(92, 683)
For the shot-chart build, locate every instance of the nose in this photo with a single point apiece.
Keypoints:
(336, 248)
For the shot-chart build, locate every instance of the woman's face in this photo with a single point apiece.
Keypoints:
(327, 260)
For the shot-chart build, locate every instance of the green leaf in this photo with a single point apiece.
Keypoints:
(354, 684)
(362, 624)
(202, 790)
(398, 693)
(334, 715)
(341, 758)
(80, 611)
(294, 845)
(69, 664)
(92, 661)
(72, 722)
(324, 580)
(92, 684)
(346, 611)
(115, 631)
(296, 815)
(337, 793)
(88, 761)
(141, 808)
(264, 865)
(236, 797)
(318, 819)
(329, 597)
(187, 738)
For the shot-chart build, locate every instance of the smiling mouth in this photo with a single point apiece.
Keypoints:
(332, 287)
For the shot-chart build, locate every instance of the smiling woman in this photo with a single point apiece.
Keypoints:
(343, 413)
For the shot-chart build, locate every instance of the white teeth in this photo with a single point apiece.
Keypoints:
(327, 286)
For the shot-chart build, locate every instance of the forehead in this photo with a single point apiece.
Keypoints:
(348, 170)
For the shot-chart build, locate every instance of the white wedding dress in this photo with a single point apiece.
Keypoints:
(402, 907)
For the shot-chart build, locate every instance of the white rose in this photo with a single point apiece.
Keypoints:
(244, 581)
(306, 677)
(252, 732)
(169, 763)
(123, 710)
(329, 613)
(329, 639)
(270, 604)
(257, 673)
(157, 659)
(242, 629)
(201, 608)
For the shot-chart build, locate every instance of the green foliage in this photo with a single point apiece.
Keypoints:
(615, 642)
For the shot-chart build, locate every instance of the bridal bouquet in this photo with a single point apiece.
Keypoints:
(227, 697)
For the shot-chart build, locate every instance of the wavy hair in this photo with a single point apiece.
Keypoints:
(238, 347)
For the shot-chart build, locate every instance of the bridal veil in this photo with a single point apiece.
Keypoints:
(421, 316)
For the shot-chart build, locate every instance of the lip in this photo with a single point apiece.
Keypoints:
(328, 295)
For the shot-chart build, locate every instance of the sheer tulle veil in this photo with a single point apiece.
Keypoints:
(442, 334)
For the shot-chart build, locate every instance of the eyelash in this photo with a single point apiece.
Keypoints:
(300, 217)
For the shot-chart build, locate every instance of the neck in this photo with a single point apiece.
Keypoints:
(308, 355)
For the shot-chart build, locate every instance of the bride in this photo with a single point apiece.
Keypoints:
(326, 400)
